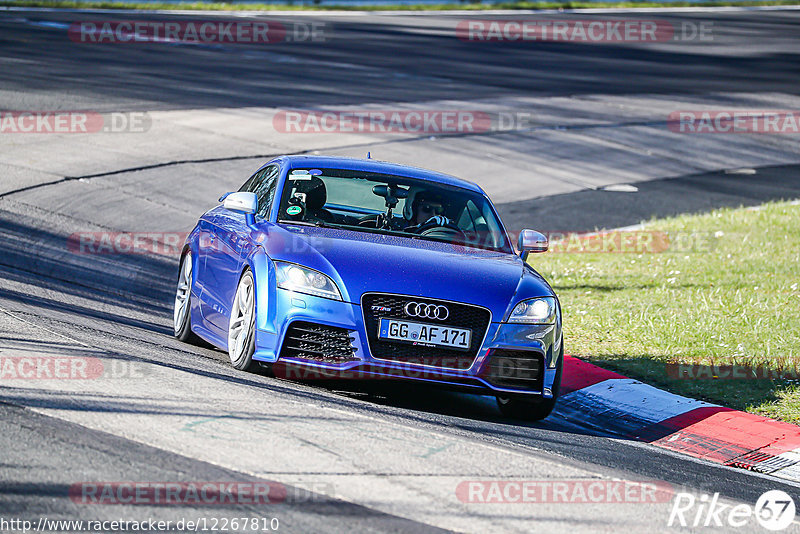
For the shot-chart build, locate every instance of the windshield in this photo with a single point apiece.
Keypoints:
(387, 204)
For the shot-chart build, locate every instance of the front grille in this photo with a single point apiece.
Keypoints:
(517, 369)
(378, 305)
(318, 342)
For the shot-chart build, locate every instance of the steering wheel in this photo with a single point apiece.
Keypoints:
(378, 221)
(369, 221)
(447, 230)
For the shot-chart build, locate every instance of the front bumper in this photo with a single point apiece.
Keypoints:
(539, 346)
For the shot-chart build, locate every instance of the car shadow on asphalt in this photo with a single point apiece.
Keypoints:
(441, 401)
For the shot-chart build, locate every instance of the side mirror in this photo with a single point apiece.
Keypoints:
(531, 242)
(246, 203)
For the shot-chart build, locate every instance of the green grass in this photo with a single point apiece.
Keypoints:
(300, 6)
(733, 299)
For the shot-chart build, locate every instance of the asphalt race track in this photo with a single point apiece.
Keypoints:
(586, 117)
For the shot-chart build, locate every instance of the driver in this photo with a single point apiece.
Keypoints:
(427, 211)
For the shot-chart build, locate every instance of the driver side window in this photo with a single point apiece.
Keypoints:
(263, 184)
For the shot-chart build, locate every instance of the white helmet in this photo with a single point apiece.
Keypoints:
(408, 211)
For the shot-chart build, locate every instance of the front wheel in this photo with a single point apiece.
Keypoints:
(241, 329)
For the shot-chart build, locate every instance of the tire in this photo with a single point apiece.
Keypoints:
(523, 408)
(241, 328)
(181, 315)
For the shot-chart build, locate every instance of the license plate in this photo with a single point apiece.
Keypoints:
(425, 334)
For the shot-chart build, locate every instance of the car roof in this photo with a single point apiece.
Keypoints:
(377, 166)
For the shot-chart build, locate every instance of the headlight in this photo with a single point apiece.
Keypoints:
(535, 311)
(303, 280)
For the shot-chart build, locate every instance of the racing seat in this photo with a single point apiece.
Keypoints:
(316, 196)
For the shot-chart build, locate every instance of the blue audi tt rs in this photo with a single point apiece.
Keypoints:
(344, 268)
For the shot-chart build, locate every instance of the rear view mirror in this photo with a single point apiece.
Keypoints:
(391, 193)
(390, 190)
(381, 190)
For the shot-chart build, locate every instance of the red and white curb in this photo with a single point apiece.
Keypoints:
(609, 402)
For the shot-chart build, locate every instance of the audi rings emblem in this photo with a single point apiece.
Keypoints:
(426, 311)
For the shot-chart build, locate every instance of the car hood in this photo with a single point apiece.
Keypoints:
(362, 262)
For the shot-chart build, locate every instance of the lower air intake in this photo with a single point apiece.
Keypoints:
(321, 343)
(515, 369)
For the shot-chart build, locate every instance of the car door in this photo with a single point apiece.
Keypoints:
(230, 240)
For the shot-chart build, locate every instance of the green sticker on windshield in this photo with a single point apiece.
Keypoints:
(294, 210)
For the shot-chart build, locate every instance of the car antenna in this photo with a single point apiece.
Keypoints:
(369, 155)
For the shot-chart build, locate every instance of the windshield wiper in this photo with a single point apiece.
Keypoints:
(318, 224)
